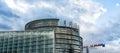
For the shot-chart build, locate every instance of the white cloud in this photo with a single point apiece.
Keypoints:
(116, 42)
(107, 49)
(85, 12)
(111, 47)
(72, 9)
(117, 4)
(21, 7)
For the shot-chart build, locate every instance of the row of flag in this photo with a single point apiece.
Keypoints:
(94, 45)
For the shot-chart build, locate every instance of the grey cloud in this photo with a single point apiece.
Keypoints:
(6, 11)
(5, 27)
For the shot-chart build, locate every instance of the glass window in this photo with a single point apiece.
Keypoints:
(63, 36)
(22, 42)
(62, 41)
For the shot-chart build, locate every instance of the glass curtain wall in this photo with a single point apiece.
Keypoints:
(27, 42)
(67, 38)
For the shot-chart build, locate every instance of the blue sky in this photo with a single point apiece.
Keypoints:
(98, 19)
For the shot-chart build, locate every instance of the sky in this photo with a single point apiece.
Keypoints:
(98, 19)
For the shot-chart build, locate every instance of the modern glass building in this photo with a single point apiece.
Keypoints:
(42, 36)
(27, 42)
(66, 36)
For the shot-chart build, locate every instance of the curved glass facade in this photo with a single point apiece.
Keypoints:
(42, 22)
(27, 42)
(42, 36)
(65, 37)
